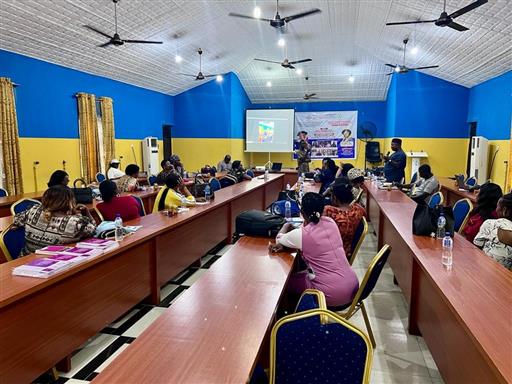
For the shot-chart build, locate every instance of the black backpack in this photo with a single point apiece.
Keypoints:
(258, 223)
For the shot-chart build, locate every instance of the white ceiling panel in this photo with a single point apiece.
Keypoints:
(349, 38)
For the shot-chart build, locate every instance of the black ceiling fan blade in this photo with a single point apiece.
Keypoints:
(268, 61)
(457, 27)
(105, 44)
(98, 31)
(389, 74)
(143, 42)
(287, 19)
(300, 61)
(289, 66)
(410, 22)
(427, 67)
(391, 65)
(468, 8)
(233, 14)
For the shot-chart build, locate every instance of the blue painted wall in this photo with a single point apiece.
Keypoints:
(490, 105)
(391, 102)
(212, 110)
(46, 106)
(374, 111)
(426, 106)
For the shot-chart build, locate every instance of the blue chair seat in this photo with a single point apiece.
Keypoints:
(12, 241)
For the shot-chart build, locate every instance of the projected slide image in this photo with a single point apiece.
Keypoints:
(265, 131)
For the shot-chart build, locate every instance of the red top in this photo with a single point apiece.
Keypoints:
(347, 221)
(473, 225)
(126, 206)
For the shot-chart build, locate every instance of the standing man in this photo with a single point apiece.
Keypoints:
(394, 169)
(303, 153)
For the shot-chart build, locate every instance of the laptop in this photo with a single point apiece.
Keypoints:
(276, 167)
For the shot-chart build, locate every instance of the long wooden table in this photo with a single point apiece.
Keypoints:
(452, 193)
(214, 332)
(44, 320)
(464, 314)
(290, 175)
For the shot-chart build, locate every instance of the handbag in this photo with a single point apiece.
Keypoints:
(83, 195)
(197, 190)
(424, 220)
(279, 208)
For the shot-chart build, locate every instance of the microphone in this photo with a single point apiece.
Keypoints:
(387, 154)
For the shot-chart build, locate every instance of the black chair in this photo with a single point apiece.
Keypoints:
(357, 240)
(365, 288)
(306, 351)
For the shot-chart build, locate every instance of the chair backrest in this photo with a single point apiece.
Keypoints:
(436, 199)
(22, 205)
(414, 177)
(311, 299)
(142, 210)
(250, 172)
(371, 276)
(226, 182)
(461, 210)
(357, 240)
(357, 200)
(471, 181)
(3, 193)
(12, 241)
(215, 184)
(308, 351)
(100, 177)
(152, 180)
(100, 216)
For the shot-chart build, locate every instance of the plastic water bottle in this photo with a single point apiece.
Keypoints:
(441, 224)
(288, 187)
(266, 174)
(288, 210)
(207, 193)
(447, 257)
(119, 235)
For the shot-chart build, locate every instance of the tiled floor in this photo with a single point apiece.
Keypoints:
(399, 357)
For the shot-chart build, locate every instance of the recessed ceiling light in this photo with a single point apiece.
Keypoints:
(178, 59)
(415, 50)
(281, 42)
(257, 12)
(351, 78)
(219, 78)
(299, 71)
(269, 84)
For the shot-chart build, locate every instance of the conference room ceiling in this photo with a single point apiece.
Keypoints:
(349, 38)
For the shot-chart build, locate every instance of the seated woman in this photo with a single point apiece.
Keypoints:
(343, 170)
(327, 174)
(485, 209)
(113, 204)
(356, 178)
(319, 240)
(347, 216)
(129, 182)
(494, 234)
(167, 169)
(238, 171)
(58, 178)
(206, 174)
(174, 195)
(57, 220)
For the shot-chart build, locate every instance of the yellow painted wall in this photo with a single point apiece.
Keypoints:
(51, 152)
(196, 153)
(499, 170)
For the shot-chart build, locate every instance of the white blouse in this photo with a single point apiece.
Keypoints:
(487, 239)
(292, 239)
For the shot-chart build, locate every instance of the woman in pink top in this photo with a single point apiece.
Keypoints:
(320, 241)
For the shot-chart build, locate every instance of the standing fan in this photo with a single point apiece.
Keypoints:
(366, 132)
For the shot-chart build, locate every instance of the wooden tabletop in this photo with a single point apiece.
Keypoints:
(477, 289)
(451, 186)
(16, 287)
(213, 332)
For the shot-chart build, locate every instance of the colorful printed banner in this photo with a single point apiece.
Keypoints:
(331, 134)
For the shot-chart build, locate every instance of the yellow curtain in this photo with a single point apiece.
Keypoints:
(107, 120)
(10, 138)
(88, 126)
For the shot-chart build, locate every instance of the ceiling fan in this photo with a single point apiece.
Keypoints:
(309, 96)
(278, 21)
(403, 68)
(285, 63)
(200, 75)
(446, 20)
(116, 39)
